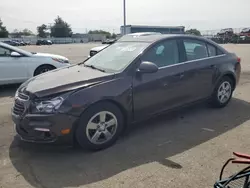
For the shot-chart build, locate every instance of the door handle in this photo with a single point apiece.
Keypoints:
(180, 75)
(165, 84)
(213, 66)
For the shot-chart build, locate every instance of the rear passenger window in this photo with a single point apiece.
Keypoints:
(219, 52)
(211, 50)
(195, 49)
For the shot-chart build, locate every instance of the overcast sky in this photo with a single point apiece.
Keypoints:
(84, 15)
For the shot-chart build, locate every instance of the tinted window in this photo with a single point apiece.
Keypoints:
(4, 52)
(211, 50)
(219, 52)
(195, 49)
(163, 54)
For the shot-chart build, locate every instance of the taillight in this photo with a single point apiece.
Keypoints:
(238, 69)
(238, 59)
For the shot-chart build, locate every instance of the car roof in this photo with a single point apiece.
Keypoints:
(144, 34)
(158, 37)
(155, 37)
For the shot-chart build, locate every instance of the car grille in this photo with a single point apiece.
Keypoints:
(92, 53)
(18, 108)
(22, 96)
(20, 102)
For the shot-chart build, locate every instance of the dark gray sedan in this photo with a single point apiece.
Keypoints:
(135, 78)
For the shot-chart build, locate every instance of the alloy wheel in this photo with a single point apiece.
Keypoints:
(101, 127)
(45, 70)
(224, 92)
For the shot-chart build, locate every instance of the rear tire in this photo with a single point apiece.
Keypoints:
(43, 69)
(100, 126)
(222, 93)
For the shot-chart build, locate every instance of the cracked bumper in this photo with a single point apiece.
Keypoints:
(40, 128)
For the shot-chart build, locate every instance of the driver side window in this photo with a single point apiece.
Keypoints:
(163, 54)
(4, 52)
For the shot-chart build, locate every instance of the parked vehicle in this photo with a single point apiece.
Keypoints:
(245, 32)
(17, 65)
(109, 41)
(227, 31)
(44, 42)
(12, 43)
(226, 35)
(27, 42)
(97, 49)
(132, 79)
(20, 43)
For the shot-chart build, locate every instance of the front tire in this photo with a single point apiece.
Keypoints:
(100, 126)
(43, 69)
(222, 93)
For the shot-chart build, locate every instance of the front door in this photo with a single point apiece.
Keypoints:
(164, 89)
(12, 69)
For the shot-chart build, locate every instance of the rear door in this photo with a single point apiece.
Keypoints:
(201, 63)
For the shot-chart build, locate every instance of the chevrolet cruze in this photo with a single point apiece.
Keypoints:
(91, 103)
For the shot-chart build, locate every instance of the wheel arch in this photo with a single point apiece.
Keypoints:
(43, 65)
(117, 104)
(232, 77)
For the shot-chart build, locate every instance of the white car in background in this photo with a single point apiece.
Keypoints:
(97, 49)
(17, 65)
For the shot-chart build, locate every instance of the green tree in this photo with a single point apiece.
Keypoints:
(16, 33)
(41, 30)
(60, 28)
(193, 32)
(3, 31)
(27, 32)
(113, 35)
(106, 33)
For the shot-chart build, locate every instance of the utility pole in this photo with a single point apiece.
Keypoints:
(124, 17)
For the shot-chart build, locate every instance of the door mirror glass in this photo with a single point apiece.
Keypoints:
(15, 54)
(147, 67)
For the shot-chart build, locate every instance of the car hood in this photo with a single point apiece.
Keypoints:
(50, 55)
(99, 48)
(65, 79)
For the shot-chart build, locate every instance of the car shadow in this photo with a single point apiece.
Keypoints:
(151, 141)
(8, 90)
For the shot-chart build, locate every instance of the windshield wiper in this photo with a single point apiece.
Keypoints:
(94, 67)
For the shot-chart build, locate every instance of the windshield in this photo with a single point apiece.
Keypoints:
(117, 56)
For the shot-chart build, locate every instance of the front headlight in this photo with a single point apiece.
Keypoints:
(16, 94)
(60, 60)
(49, 106)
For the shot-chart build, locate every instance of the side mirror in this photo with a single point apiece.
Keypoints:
(15, 54)
(147, 67)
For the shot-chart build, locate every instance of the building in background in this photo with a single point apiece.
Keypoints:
(90, 37)
(159, 29)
